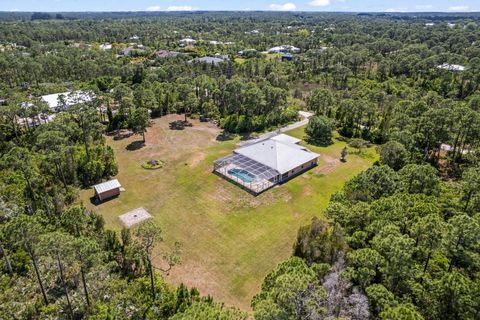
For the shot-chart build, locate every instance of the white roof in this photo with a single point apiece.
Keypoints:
(107, 186)
(283, 48)
(70, 99)
(451, 67)
(286, 139)
(280, 155)
(188, 40)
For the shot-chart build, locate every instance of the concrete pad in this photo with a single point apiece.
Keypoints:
(134, 217)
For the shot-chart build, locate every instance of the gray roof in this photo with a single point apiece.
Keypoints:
(278, 154)
(285, 138)
(107, 186)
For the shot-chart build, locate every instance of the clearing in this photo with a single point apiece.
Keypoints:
(231, 239)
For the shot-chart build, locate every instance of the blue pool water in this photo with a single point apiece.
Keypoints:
(243, 175)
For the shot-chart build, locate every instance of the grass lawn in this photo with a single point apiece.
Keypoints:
(230, 238)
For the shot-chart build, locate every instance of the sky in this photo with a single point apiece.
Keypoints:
(280, 5)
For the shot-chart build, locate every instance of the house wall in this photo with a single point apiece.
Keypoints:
(304, 167)
(108, 194)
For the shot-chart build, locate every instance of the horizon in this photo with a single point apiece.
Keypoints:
(333, 6)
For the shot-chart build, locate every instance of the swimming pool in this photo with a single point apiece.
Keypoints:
(243, 175)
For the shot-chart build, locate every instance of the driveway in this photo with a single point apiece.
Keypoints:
(305, 115)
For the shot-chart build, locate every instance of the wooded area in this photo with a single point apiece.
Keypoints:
(402, 238)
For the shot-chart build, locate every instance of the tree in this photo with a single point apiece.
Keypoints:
(25, 231)
(148, 235)
(343, 154)
(319, 130)
(393, 154)
(416, 178)
(401, 312)
(470, 184)
(59, 246)
(139, 121)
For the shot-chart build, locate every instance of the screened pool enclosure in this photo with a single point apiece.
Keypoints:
(247, 172)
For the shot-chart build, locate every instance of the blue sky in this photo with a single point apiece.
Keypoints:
(283, 5)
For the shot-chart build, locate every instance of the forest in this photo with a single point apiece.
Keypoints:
(401, 240)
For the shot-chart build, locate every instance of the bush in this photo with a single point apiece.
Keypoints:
(393, 154)
(319, 130)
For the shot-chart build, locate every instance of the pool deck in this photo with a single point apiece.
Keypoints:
(255, 187)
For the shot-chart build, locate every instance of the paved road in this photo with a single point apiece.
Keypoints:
(305, 115)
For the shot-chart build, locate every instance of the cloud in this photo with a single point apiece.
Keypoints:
(319, 3)
(395, 10)
(423, 7)
(283, 7)
(153, 8)
(180, 8)
(458, 8)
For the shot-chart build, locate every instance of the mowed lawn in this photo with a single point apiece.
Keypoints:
(231, 240)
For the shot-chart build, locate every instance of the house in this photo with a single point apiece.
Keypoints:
(208, 60)
(287, 57)
(284, 49)
(107, 190)
(65, 100)
(105, 46)
(266, 163)
(451, 67)
(165, 54)
(134, 37)
(187, 42)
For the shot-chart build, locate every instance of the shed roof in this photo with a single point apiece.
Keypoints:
(107, 186)
(278, 155)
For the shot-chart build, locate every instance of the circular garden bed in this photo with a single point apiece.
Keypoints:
(153, 164)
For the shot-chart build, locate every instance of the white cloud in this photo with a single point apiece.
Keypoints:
(283, 7)
(180, 8)
(423, 7)
(395, 10)
(319, 3)
(153, 8)
(458, 8)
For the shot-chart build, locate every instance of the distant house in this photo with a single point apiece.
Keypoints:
(265, 163)
(187, 42)
(107, 190)
(451, 67)
(134, 37)
(127, 52)
(106, 46)
(65, 100)
(287, 57)
(429, 24)
(253, 32)
(284, 49)
(208, 60)
(165, 53)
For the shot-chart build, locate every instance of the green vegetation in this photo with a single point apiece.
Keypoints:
(153, 164)
(399, 240)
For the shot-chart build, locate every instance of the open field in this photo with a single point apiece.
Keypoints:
(230, 238)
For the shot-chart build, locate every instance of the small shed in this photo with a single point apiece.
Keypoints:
(107, 189)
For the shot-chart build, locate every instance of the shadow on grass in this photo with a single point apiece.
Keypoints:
(225, 136)
(135, 145)
(120, 134)
(96, 202)
(179, 125)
